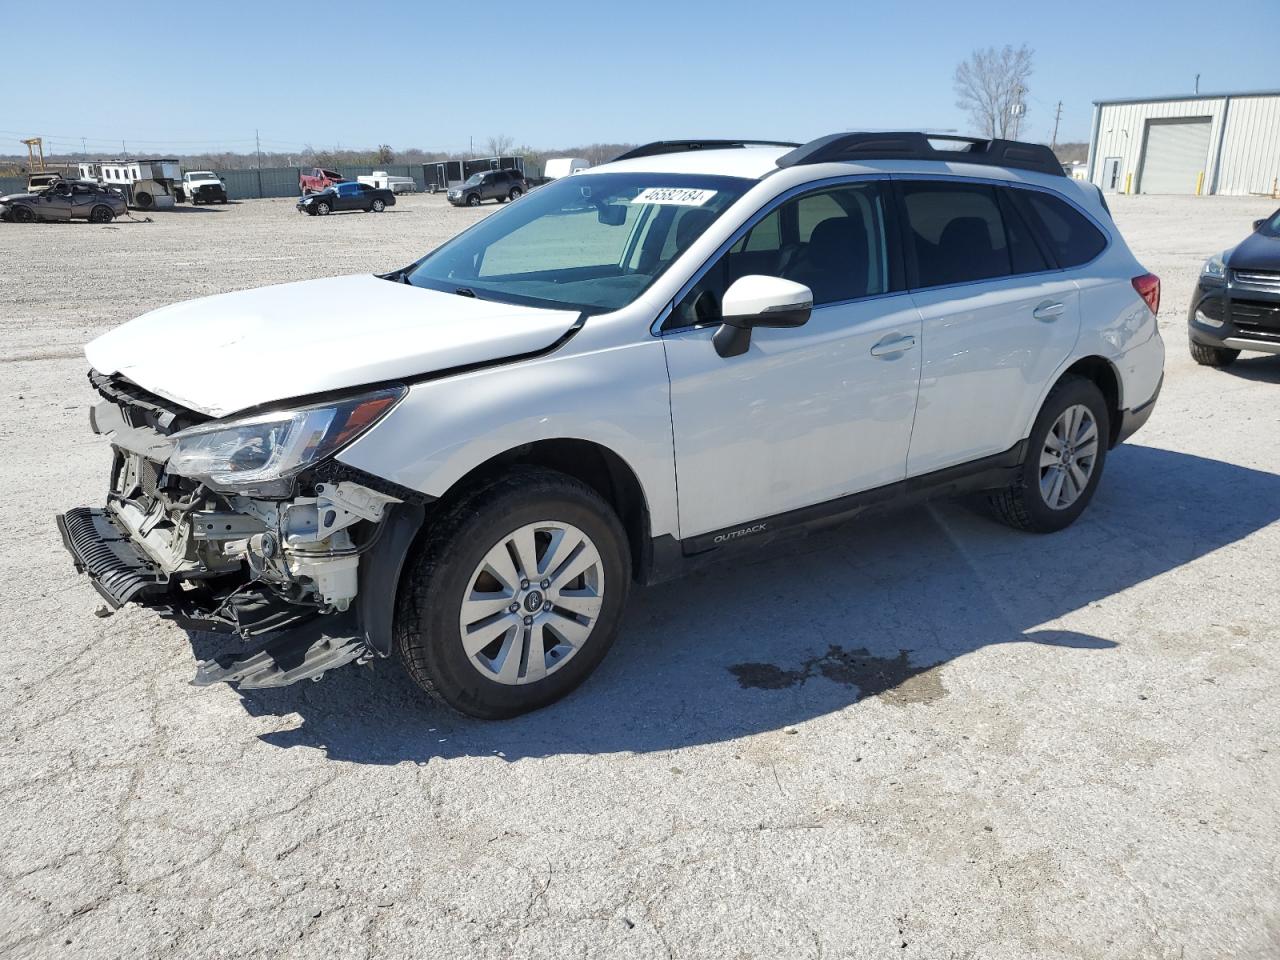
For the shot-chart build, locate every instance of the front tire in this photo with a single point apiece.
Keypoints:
(473, 200)
(322, 209)
(1208, 356)
(23, 215)
(515, 595)
(1066, 452)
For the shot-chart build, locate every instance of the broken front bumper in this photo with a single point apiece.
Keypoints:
(100, 548)
(305, 647)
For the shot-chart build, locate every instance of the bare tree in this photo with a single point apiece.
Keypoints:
(500, 146)
(386, 154)
(988, 85)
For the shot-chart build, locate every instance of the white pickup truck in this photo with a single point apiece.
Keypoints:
(204, 186)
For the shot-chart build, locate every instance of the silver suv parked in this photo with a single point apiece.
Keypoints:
(703, 346)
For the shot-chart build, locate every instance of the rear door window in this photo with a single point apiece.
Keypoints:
(956, 232)
(1069, 235)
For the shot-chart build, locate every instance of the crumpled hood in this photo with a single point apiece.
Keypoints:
(221, 354)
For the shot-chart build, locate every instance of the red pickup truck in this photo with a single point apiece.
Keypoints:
(318, 179)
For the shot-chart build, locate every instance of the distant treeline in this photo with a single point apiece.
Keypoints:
(535, 158)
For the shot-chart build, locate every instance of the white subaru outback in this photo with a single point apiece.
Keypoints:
(701, 346)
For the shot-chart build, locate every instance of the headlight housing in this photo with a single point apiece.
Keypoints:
(258, 453)
(1215, 268)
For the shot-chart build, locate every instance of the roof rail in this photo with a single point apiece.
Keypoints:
(921, 146)
(659, 147)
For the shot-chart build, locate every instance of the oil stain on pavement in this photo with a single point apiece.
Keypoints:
(892, 678)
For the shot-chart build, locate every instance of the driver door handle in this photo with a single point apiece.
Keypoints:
(891, 345)
(1049, 311)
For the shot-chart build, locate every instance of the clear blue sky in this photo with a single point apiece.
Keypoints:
(559, 74)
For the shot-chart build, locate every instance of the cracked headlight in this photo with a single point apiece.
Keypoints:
(259, 451)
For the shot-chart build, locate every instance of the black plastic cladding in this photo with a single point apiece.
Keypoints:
(839, 147)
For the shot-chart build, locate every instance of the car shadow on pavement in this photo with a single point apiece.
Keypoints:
(870, 609)
(1264, 369)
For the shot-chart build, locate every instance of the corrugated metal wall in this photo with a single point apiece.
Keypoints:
(12, 185)
(1251, 150)
(1244, 140)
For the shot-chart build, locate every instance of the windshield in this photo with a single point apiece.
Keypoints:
(472, 180)
(593, 243)
(1271, 227)
(201, 175)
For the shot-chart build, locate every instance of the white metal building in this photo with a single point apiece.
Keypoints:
(1226, 143)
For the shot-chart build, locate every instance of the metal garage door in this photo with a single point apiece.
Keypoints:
(1177, 154)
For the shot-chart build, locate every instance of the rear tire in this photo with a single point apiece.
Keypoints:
(1208, 356)
(378, 206)
(101, 214)
(1045, 475)
(451, 564)
(516, 193)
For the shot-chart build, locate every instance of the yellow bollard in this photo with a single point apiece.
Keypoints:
(1199, 182)
(1128, 183)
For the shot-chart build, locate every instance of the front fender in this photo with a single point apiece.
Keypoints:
(445, 428)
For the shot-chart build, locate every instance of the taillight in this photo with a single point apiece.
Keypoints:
(1148, 287)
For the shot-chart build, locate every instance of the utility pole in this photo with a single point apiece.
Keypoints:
(83, 148)
(257, 141)
(1017, 110)
(1056, 118)
(1197, 84)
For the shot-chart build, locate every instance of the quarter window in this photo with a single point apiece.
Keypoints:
(1071, 238)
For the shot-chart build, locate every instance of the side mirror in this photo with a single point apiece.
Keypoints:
(612, 214)
(759, 301)
(1257, 224)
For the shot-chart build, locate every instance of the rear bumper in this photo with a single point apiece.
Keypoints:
(1131, 421)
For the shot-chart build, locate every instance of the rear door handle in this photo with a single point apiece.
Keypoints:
(892, 345)
(1049, 311)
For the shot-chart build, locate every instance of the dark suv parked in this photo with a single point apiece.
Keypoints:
(1237, 303)
(500, 185)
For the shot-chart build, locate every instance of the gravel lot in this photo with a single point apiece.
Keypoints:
(924, 736)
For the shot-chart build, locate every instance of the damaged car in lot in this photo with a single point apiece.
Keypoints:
(65, 200)
(702, 346)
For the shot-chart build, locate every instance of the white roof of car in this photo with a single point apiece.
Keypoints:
(751, 162)
(756, 162)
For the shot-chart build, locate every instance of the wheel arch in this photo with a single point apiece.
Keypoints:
(1103, 374)
(592, 463)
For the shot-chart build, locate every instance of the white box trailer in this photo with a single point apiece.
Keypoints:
(147, 184)
(558, 167)
(385, 181)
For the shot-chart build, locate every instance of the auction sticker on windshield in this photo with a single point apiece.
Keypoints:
(674, 196)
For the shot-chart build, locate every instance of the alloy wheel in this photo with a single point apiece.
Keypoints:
(532, 602)
(1068, 457)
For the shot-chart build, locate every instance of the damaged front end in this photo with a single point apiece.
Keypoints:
(248, 526)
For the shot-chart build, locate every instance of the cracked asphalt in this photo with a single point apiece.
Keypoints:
(922, 736)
